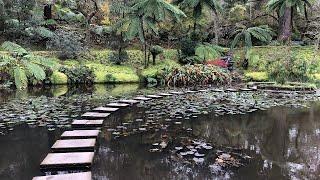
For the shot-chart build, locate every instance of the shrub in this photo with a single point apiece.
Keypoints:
(68, 44)
(79, 75)
(58, 78)
(155, 51)
(118, 57)
(194, 75)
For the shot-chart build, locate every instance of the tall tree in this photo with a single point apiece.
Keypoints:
(285, 10)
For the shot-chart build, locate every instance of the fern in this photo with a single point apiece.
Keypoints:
(14, 48)
(36, 71)
(20, 78)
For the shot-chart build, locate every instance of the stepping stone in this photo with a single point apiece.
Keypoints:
(154, 96)
(203, 90)
(67, 160)
(129, 101)
(165, 94)
(246, 89)
(217, 90)
(118, 104)
(177, 92)
(79, 134)
(87, 123)
(142, 98)
(231, 90)
(105, 109)
(95, 115)
(74, 145)
(191, 91)
(71, 176)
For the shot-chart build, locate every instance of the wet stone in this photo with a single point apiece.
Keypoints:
(154, 96)
(141, 98)
(105, 109)
(66, 160)
(71, 176)
(87, 123)
(95, 115)
(129, 101)
(74, 145)
(118, 105)
(80, 134)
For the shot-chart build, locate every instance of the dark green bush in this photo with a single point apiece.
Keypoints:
(79, 75)
(118, 57)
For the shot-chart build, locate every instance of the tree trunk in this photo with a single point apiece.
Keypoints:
(47, 12)
(285, 29)
(216, 28)
(153, 59)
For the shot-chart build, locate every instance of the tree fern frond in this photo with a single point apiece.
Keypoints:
(20, 78)
(14, 48)
(36, 71)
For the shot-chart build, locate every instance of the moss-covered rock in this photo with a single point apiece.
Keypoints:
(152, 71)
(58, 78)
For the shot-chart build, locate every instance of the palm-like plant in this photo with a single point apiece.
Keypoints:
(285, 10)
(23, 65)
(198, 7)
(144, 16)
(244, 35)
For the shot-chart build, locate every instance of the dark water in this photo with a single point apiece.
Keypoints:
(284, 142)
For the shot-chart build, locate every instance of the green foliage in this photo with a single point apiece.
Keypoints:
(194, 75)
(58, 78)
(207, 51)
(156, 50)
(244, 34)
(256, 76)
(79, 74)
(23, 66)
(68, 44)
(238, 13)
(118, 57)
(153, 71)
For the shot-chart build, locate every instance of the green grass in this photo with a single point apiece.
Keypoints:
(152, 71)
(256, 76)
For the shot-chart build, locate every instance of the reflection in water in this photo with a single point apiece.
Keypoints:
(284, 143)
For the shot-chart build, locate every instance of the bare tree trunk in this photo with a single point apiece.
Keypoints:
(285, 29)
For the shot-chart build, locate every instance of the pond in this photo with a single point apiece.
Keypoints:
(277, 134)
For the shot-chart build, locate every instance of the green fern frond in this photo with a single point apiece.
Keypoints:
(36, 71)
(14, 48)
(20, 78)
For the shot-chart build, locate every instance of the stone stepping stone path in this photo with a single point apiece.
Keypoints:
(191, 91)
(68, 152)
(79, 134)
(74, 145)
(142, 98)
(105, 109)
(118, 105)
(67, 160)
(87, 123)
(95, 115)
(72, 176)
(129, 101)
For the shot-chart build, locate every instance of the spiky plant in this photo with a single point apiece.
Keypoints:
(244, 34)
(23, 65)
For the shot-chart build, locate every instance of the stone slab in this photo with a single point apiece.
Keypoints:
(118, 105)
(87, 123)
(65, 160)
(71, 176)
(129, 101)
(142, 98)
(191, 91)
(95, 115)
(154, 96)
(165, 94)
(105, 109)
(79, 134)
(177, 92)
(74, 144)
